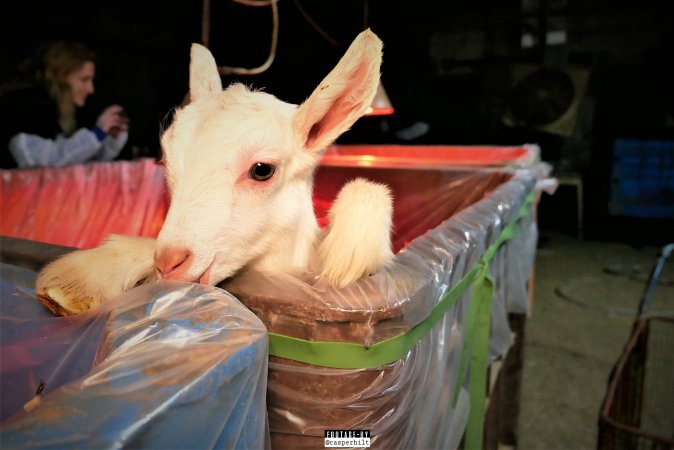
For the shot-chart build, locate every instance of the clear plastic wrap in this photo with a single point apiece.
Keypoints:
(167, 365)
(445, 219)
(431, 156)
(77, 206)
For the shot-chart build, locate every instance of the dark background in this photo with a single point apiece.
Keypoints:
(449, 64)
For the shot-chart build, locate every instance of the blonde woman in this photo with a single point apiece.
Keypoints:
(38, 124)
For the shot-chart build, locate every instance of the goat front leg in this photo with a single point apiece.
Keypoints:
(84, 279)
(358, 242)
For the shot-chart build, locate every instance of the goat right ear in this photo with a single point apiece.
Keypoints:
(204, 77)
(343, 96)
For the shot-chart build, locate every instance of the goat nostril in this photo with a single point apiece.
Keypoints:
(173, 261)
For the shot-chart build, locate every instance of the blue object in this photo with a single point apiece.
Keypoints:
(642, 179)
(174, 365)
(100, 134)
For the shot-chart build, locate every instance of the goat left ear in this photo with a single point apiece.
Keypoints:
(204, 77)
(343, 96)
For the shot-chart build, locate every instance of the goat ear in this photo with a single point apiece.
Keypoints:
(204, 76)
(343, 96)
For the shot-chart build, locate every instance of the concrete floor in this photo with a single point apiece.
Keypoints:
(572, 343)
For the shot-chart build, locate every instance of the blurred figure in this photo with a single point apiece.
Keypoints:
(38, 125)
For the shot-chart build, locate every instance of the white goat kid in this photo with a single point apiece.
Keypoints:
(239, 167)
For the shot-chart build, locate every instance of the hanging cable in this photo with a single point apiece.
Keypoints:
(314, 25)
(254, 2)
(366, 13)
(206, 22)
(227, 70)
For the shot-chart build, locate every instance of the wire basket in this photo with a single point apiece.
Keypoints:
(638, 410)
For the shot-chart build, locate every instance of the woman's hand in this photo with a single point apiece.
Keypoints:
(113, 121)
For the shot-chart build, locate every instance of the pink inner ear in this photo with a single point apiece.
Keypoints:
(313, 133)
(339, 115)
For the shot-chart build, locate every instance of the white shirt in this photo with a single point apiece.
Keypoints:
(30, 150)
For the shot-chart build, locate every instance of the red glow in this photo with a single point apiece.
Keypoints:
(428, 155)
(379, 111)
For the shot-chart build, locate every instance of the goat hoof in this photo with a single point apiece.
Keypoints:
(65, 300)
(84, 279)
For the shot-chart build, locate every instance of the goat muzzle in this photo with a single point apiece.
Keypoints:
(173, 263)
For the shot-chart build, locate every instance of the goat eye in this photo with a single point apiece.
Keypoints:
(261, 171)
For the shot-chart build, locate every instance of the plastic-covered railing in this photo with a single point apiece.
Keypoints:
(402, 353)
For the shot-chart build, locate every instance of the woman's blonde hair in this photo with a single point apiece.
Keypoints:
(57, 61)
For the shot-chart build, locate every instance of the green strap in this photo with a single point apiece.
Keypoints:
(469, 332)
(347, 355)
(476, 345)
(477, 337)
(479, 360)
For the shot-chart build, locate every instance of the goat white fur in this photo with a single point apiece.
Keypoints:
(224, 216)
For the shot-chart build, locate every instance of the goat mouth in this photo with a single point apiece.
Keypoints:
(205, 277)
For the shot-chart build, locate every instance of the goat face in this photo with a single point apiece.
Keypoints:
(239, 168)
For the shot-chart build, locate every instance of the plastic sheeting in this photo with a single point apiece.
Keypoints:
(444, 220)
(431, 156)
(408, 403)
(167, 365)
(77, 206)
